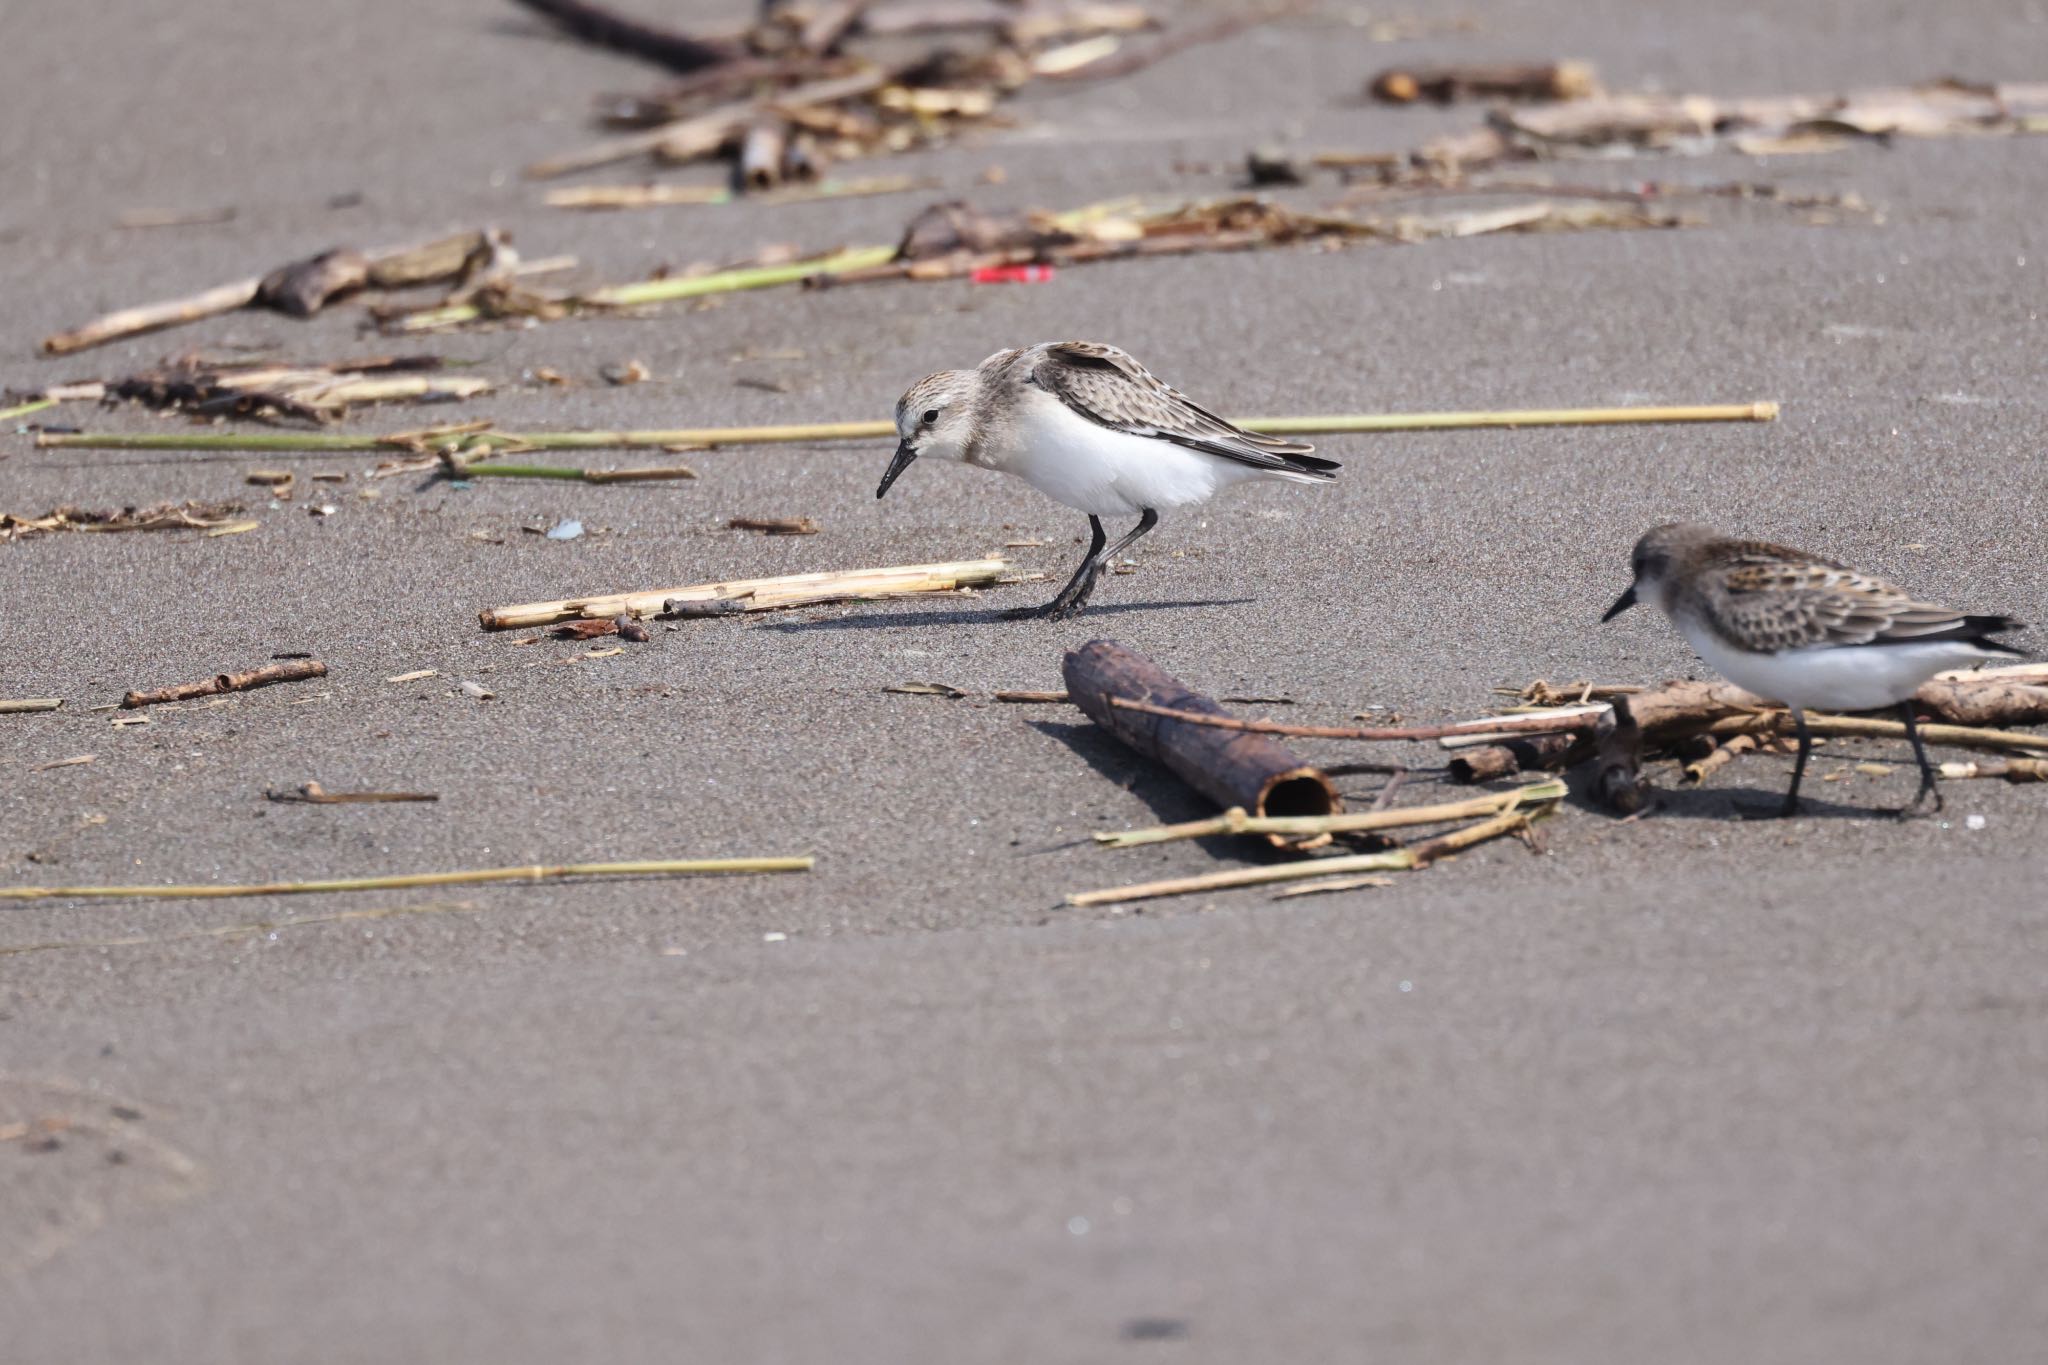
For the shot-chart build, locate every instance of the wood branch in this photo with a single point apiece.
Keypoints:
(291, 670)
(1537, 753)
(303, 288)
(1617, 761)
(25, 705)
(1237, 820)
(152, 317)
(605, 28)
(1227, 765)
(1512, 80)
(313, 794)
(1719, 757)
(759, 594)
(1489, 725)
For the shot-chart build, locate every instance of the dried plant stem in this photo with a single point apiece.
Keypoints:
(33, 405)
(150, 317)
(26, 704)
(757, 594)
(1236, 821)
(807, 433)
(542, 471)
(658, 196)
(535, 873)
(2011, 769)
(1486, 727)
(1394, 860)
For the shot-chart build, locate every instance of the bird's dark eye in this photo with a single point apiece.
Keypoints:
(931, 415)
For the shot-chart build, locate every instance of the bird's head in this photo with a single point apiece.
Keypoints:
(933, 419)
(1654, 563)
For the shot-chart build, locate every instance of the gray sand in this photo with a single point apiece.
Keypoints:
(1687, 1090)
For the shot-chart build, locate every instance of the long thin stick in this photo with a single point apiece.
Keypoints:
(1487, 725)
(807, 433)
(291, 670)
(543, 471)
(1965, 736)
(536, 873)
(661, 196)
(33, 405)
(1394, 860)
(1236, 821)
(26, 704)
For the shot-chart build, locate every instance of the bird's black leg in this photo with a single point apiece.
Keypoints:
(1799, 763)
(1077, 586)
(1920, 756)
(1074, 596)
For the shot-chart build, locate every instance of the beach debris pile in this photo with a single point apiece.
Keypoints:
(1606, 734)
(814, 82)
(312, 392)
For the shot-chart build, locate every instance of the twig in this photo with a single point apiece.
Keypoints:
(1719, 757)
(1521, 725)
(656, 196)
(27, 704)
(604, 28)
(465, 469)
(2011, 769)
(313, 794)
(861, 430)
(1236, 821)
(1394, 860)
(291, 670)
(1963, 736)
(1040, 698)
(536, 873)
(758, 594)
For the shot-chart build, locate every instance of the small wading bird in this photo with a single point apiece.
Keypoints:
(1803, 631)
(1088, 426)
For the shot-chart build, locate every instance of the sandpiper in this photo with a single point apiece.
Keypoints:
(1803, 631)
(1087, 425)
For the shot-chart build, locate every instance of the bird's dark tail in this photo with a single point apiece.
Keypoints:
(1979, 630)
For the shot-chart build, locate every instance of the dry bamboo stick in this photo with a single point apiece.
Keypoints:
(755, 594)
(1487, 726)
(291, 670)
(804, 433)
(27, 704)
(1963, 736)
(1237, 821)
(536, 873)
(1394, 860)
(150, 317)
(1719, 757)
(2011, 769)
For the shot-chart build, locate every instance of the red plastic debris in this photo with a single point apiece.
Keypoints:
(1012, 274)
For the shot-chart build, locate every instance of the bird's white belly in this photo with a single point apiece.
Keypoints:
(1834, 677)
(1110, 473)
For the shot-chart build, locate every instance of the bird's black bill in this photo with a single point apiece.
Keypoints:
(1621, 603)
(904, 455)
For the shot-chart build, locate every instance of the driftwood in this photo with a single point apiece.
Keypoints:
(1515, 81)
(291, 670)
(1232, 769)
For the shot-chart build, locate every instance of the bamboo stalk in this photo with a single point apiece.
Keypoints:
(28, 704)
(1236, 821)
(1394, 860)
(544, 471)
(536, 873)
(1487, 727)
(33, 405)
(1963, 736)
(810, 432)
(756, 594)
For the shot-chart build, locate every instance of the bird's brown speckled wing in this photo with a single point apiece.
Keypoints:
(1771, 598)
(1105, 385)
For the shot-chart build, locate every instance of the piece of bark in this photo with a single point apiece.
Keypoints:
(303, 288)
(1618, 751)
(604, 28)
(1231, 768)
(1509, 80)
(292, 670)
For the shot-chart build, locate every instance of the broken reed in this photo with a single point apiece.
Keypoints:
(535, 873)
(479, 442)
(1237, 821)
